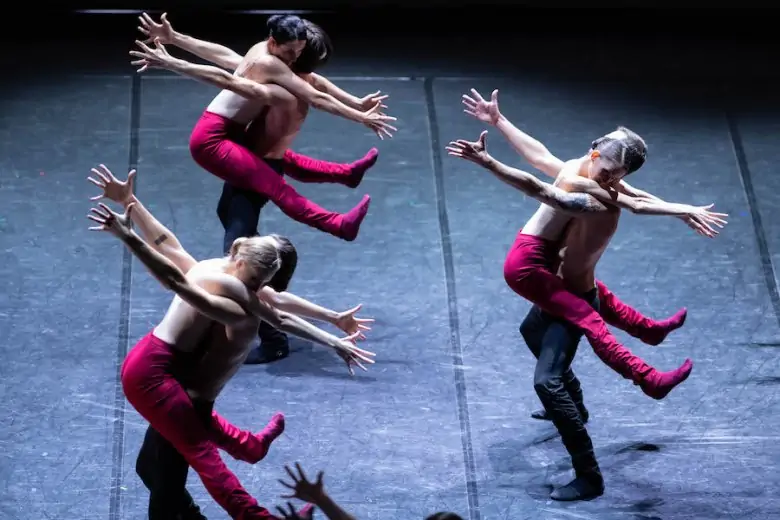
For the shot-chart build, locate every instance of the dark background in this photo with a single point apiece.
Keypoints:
(714, 49)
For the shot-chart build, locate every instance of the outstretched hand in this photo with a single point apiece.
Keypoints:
(475, 152)
(156, 31)
(302, 489)
(349, 323)
(367, 102)
(477, 106)
(377, 121)
(701, 220)
(117, 225)
(154, 58)
(347, 350)
(113, 189)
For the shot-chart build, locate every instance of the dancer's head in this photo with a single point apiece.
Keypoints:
(254, 260)
(616, 155)
(317, 51)
(289, 258)
(443, 515)
(286, 37)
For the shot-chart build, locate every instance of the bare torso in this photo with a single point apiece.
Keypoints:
(272, 126)
(584, 240)
(548, 222)
(585, 243)
(187, 330)
(233, 106)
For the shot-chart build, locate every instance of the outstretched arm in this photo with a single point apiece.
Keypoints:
(323, 84)
(640, 206)
(579, 204)
(281, 75)
(212, 52)
(532, 150)
(571, 202)
(288, 302)
(227, 310)
(153, 231)
(158, 57)
(277, 72)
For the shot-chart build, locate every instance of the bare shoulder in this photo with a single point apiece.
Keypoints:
(575, 183)
(216, 282)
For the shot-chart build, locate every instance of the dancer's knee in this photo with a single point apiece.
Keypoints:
(547, 384)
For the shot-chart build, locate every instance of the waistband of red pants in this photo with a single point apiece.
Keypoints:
(534, 240)
(221, 120)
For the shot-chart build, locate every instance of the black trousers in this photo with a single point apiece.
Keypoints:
(239, 212)
(554, 344)
(163, 471)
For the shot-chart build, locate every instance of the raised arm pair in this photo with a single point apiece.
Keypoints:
(162, 253)
(699, 218)
(318, 92)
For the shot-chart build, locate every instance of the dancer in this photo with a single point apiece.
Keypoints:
(161, 467)
(269, 137)
(286, 114)
(211, 292)
(612, 310)
(565, 307)
(215, 141)
(527, 269)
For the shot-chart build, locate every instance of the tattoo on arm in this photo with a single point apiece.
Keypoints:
(580, 203)
(159, 240)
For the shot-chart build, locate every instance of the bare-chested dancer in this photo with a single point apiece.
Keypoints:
(566, 305)
(612, 310)
(216, 141)
(270, 136)
(161, 467)
(215, 302)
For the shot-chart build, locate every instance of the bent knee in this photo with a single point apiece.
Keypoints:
(547, 384)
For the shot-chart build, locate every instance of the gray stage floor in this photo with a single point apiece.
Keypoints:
(441, 422)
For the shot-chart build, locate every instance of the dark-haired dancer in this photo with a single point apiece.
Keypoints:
(566, 308)
(216, 140)
(270, 136)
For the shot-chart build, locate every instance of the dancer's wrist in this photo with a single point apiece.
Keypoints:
(128, 200)
(178, 39)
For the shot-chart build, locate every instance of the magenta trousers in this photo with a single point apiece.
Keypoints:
(528, 270)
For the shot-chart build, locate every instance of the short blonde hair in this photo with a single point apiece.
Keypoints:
(261, 253)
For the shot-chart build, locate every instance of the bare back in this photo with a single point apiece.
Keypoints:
(225, 347)
(586, 241)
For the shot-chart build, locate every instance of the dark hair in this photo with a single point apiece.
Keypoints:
(286, 28)
(289, 257)
(317, 51)
(629, 151)
(444, 516)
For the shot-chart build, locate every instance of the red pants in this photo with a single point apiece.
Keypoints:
(528, 271)
(215, 146)
(150, 385)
